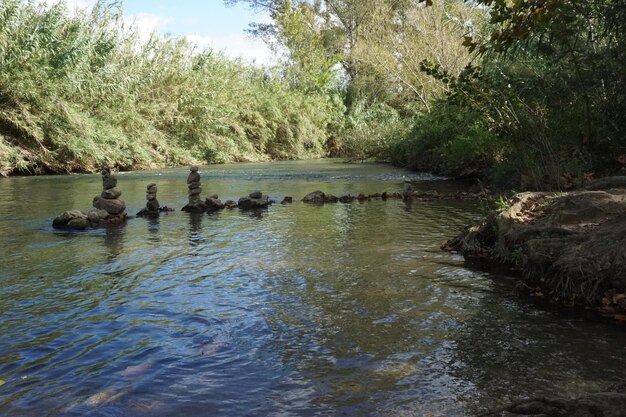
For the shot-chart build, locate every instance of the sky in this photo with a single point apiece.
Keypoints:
(204, 22)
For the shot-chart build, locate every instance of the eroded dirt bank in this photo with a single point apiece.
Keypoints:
(570, 247)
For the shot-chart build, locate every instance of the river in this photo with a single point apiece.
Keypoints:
(299, 310)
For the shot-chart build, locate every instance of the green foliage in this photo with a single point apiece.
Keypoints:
(449, 140)
(547, 94)
(370, 131)
(79, 90)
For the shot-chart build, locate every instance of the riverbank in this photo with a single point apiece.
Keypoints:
(569, 247)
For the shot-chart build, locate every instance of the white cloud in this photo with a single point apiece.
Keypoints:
(72, 5)
(235, 46)
(146, 24)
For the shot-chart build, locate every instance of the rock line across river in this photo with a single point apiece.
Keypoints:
(109, 209)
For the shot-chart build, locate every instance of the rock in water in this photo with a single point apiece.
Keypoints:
(109, 200)
(213, 204)
(137, 370)
(152, 205)
(104, 398)
(111, 193)
(195, 204)
(109, 209)
(209, 349)
(259, 201)
(113, 206)
(407, 188)
(66, 217)
(315, 197)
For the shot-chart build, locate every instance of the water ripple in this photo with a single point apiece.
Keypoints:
(296, 310)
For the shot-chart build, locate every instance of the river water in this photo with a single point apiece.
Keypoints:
(300, 310)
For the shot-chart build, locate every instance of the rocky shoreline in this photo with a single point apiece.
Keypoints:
(569, 247)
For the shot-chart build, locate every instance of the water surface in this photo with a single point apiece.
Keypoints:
(298, 310)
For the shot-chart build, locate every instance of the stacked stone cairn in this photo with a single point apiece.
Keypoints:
(195, 204)
(109, 208)
(109, 200)
(152, 206)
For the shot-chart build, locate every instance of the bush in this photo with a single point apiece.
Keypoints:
(80, 90)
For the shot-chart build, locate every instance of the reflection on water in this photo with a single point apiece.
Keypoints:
(114, 240)
(343, 309)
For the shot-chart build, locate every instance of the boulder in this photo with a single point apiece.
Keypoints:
(151, 189)
(331, 199)
(66, 217)
(230, 204)
(96, 215)
(152, 205)
(195, 207)
(109, 182)
(256, 194)
(247, 203)
(195, 191)
(287, 200)
(110, 206)
(78, 223)
(193, 177)
(315, 197)
(213, 204)
(111, 193)
(346, 199)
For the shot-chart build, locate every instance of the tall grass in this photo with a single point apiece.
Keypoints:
(80, 89)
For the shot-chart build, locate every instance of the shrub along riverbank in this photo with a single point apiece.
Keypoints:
(80, 90)
(528, 95)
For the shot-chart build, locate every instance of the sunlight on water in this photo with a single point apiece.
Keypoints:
(296, 310)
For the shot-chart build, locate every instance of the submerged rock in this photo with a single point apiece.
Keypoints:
(105, 397)
(601, 404)
(137, 370)
(212, 348)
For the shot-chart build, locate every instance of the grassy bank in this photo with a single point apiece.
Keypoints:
(78, 90)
